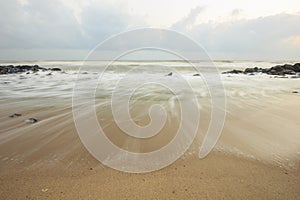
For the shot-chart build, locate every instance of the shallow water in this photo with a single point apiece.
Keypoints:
(60, 85)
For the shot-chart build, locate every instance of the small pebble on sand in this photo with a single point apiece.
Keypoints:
(31, 120)
(15, 115)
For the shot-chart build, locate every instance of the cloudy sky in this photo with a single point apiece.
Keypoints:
(69, 29)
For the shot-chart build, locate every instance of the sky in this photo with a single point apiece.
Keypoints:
(227, 30)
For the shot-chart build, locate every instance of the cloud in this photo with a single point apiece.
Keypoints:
(52, 24)
(36, 25)
(236, 12)
(99, 22)
(189, 20)
(258, 38)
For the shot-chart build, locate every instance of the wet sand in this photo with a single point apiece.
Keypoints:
(257, 157)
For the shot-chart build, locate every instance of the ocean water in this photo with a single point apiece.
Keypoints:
(61, 84)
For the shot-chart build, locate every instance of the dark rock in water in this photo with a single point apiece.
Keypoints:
(234, 72)
(196, 75)
(259, 70)
(15, 115)
(279, 70)
(250, 70)
(297, 76)
(253, 70)
(273, 72)
(281, 76)
(31, 120)
(237, 71)
(295, 92)
(170, 74)
(288, 71)
(288, 67)
(296, 67)
(55, 69)
(11, 69)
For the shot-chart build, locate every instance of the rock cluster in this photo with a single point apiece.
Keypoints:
(280, 70)
(11, 69)
(30, 120)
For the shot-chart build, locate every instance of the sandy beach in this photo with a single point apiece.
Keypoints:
(257, 156)
(217, 177)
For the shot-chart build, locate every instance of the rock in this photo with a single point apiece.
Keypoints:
(287, 66)
(280, 70)
(277, 68)
(233, 72)
(15, 115)
(196, 75)
(253, 70)
(31, 120)
(288, 71)
(249, 70)
(170, 74)
(297, 76)
(11, 69)
(55, 69)
(273, 72)
(296, 67)
(259, 70)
